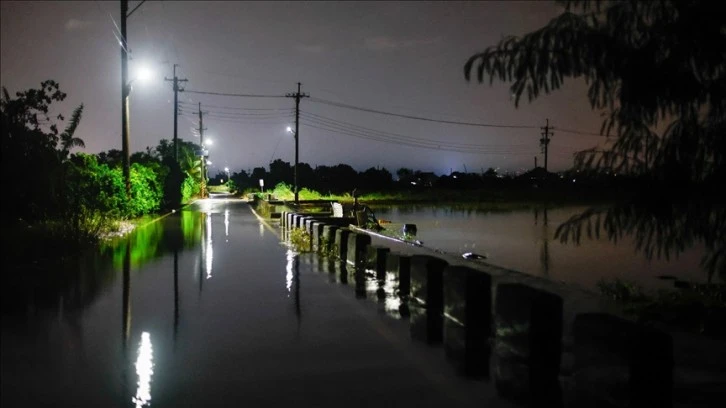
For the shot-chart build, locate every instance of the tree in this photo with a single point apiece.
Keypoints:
(30, 140)
(657, 68)
(404, 174)
(650, 65)
(67, 140)
(375, 179)
(280, 171)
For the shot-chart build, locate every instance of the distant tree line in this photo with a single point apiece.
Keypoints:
(342, 178)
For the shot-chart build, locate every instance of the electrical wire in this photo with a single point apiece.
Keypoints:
(395, 136)
(195, 104)
(234, 94)
(441, 146)
(452, 122)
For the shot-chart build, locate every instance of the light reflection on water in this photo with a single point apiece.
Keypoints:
(288, 268)
(209, 251)
(392, 301)
(524, 240)
(144, 369)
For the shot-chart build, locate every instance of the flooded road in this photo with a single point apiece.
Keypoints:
(206, 307)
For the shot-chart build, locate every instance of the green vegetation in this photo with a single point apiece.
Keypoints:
(300, 240)
(328, 249)
(694, 308)
(507, 198)
(75, 198)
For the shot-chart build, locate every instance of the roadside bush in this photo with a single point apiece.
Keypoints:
(300, 240)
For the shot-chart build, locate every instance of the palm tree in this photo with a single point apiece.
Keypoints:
(67, 140)
(191, 165)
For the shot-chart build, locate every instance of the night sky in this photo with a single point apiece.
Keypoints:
(405, 58)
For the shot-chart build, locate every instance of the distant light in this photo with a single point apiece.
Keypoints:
(209, 162)
(262, 183)
(208, 142)
(226, 169)
(573, 180)
(413, 182)
(289, 129)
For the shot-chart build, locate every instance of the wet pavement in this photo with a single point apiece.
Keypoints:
(207, 307)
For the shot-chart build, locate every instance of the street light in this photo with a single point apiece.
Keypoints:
(289, 130)
(142, 74)
(125, 91)
(226, 169)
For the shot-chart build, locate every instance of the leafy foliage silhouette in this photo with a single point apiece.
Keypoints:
(657, 71)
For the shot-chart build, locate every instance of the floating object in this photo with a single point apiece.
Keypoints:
(471, 255)
(409, 229)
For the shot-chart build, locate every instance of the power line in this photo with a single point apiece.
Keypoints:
(451, 122)
(250, 121)
(395, 136)
(579, 132)
(440, 146)
(234, 94)
(237, 107)
(239, 114)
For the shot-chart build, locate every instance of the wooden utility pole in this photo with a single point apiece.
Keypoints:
(176, 81)
(545, 141)
(297, 97)
(203, 162)
(125, 90)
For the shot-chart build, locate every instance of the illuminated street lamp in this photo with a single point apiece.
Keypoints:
(125, 91)
(226, 169)
(142, 74)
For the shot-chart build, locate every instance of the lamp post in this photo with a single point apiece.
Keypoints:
(226, 170)
(125, 91)
(289, 130)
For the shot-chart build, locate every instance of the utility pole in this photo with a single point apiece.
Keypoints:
(204, 156)
(125, 89)
(545, 141)
(297, 97)
(176, 81)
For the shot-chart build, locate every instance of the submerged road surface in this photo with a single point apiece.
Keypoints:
(207, 307)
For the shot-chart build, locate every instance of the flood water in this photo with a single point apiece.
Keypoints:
(524, 240)
(207, 307)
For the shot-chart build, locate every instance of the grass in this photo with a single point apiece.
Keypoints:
(300, 240)
(504, 198)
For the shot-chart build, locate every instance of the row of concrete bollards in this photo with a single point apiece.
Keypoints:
(511, 332)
